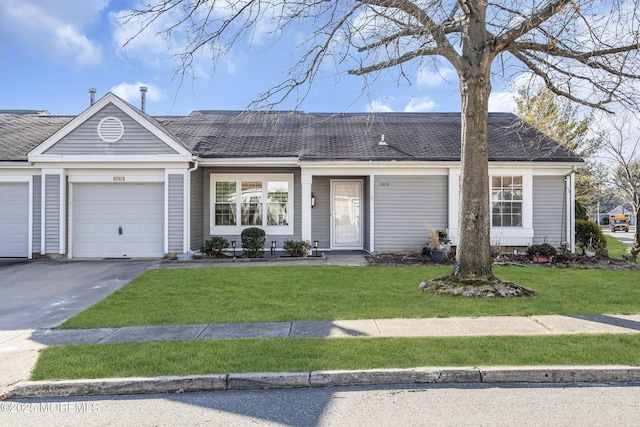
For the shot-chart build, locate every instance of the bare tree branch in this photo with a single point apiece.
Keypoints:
(533, 21)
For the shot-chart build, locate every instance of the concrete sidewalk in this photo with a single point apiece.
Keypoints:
(421, 327)
(19, 351)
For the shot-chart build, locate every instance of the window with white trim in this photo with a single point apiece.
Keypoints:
(240, 201)
(506, 201)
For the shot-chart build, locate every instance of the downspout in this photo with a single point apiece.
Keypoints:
(570, 209)
(188, 196)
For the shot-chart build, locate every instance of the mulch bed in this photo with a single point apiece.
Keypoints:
(560, 261)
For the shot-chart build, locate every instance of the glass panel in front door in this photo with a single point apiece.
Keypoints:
(347, 227)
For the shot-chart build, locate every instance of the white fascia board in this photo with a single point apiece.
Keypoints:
(114, 165)
(109, 98)
(377, 168)
(553, 168)
(17, 175)
(249, 161)
(15, 178)
(15, 164)
(373, 164)
(140, 158)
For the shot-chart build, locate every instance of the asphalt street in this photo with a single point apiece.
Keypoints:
(433, 405)
(626, 238)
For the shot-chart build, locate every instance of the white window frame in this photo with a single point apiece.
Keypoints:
(238, 179)
(521, 201)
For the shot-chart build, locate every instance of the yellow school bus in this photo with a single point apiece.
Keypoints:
(619, 222)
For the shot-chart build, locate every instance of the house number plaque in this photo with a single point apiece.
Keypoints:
(118, 178)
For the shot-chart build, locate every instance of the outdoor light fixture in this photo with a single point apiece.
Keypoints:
(313, 201)
(233, 245)
(273, 248)
(315, 247)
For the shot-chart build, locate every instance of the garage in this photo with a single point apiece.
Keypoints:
(117, 220)
(14, 220)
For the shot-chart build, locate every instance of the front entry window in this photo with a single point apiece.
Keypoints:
(241, 201)
(277, 203)
(251, 203)
(225, 203)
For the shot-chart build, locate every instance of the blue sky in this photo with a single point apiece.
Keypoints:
(52, 52)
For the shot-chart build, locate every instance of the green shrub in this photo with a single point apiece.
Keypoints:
(544, 249)
(215, 245)
(297, 248)
(589, 236)
(252, 242)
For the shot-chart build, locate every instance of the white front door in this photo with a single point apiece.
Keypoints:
(346, 209)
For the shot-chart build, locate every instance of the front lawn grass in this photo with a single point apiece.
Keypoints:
(289, 293)
(615, 247)
(300, 355)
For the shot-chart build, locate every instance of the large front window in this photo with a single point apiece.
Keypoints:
(506, 201)
(240, 201)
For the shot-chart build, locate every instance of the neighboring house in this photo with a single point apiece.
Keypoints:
(115, 182)
(623, 210)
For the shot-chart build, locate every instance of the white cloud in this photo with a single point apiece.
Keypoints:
(502, 102)
(420, 105)
(143, 44)
(52, 30)
(437, 77)
(130, 92)
(376, 106)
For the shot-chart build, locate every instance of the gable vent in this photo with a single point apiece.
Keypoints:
(110, 129)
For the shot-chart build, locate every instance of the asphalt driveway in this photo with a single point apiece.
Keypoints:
(45, 293)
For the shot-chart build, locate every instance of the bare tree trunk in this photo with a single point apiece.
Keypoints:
(473, 258)
(636, 235)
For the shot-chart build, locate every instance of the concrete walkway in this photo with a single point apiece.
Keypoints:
(16, 370)
(423, 327)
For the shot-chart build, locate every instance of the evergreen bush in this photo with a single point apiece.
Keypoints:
(589, 236)
(214, 246)
(297, 248)
(252, 239)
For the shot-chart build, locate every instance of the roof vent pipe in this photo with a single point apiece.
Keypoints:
(143, 97)
(92, 96)
(382, 141)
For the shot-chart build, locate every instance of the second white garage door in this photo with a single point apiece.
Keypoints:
(118, 220)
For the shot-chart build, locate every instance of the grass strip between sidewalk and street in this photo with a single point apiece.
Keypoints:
(616, 248)
(302, 355)
(293, 293)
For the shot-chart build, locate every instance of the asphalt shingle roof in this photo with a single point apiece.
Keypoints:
(314, 136)
(21, 132)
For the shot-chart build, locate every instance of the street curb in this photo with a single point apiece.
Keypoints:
(279, 380)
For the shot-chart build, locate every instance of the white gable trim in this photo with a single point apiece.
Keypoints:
(109, 98)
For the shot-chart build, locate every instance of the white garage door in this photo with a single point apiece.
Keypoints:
(118, 220)
(14, 220)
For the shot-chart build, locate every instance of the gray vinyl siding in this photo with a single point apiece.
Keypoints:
(279, 239)
(321, 214)
(549, 212)
(85, 139)
(37, 216)
(405, 206)
(196, 210)
(52, 214)
(176, 213)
